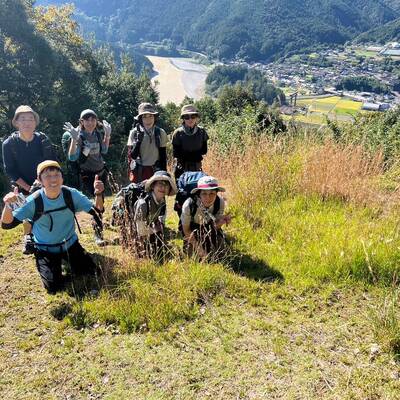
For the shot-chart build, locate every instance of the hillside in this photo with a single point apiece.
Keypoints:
(254, 30)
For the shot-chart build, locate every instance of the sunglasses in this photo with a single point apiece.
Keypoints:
(88, 116)
(192, 116)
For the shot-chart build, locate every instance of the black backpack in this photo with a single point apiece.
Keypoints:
(47, 147)
(125, 200)
(39, 207)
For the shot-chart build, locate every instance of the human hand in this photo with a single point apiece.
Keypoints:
(11, 197)
(227, 219)
(107, 129)
(74, 132)
(98, 185)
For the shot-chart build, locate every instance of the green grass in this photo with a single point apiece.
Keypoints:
(293, 312)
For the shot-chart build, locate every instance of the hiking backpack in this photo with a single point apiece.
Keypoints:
(125, 200)
(185, 184)
(39, 207)
(47, 147)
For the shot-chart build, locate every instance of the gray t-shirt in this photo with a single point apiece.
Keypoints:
(89, 145)
(143, 216)
(203, 215)
(149, 153)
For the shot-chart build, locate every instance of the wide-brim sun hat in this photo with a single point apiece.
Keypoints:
(161, 176)
(25, 109)
(207, 183)
(189, 109)
(47, 164)
(86, 112)
(146, 108)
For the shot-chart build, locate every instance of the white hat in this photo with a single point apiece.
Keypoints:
(207, 183)
(161, 176)
(88, 111)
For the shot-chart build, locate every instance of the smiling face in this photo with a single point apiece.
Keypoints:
(51, 179)
(190, 120)
(26, 123)
(89, 123)
(207, 197)
(161, 189)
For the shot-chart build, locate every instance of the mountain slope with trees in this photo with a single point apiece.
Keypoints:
(253, 30)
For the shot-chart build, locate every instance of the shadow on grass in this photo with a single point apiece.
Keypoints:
(252, 267)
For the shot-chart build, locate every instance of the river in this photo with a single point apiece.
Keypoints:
(177, 77)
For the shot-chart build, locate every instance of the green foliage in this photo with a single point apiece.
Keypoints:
(224, 29)
(362, 84)
(254, 79)
(153, 298)
(375, 131)
(48, 65)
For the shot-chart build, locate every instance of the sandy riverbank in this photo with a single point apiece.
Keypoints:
(177, 78)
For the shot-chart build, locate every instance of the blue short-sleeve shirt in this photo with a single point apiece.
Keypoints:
(63, 230)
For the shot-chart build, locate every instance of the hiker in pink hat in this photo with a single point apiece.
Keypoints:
(202, 218)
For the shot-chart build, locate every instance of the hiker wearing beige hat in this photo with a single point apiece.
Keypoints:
(51, 210)
(147, 143)
(202, 218)
(22, 151)
(150, 214)
(189, 142)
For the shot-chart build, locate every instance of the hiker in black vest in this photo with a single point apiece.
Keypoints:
(189, 142)
(52, 210)
(22, 152)
(88, 147)
(147, 143)
(150, 213)
(202, 218)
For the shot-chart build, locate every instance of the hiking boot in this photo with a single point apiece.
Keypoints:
(98, 239)
(28, 246)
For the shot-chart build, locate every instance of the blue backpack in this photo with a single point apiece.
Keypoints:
(186, 183)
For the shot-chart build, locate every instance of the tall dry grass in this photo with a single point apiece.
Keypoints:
(272, 168)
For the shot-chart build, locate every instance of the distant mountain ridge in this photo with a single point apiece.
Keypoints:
(257, 30)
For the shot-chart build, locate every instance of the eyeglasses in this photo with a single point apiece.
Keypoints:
(191, 116)
(162, 183)
(26, 119)
(51, 175)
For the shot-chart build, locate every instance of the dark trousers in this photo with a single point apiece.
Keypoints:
(141, 173)
(49, 265)
(185, 166)
(87, 179)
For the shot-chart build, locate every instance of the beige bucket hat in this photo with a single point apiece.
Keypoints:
(25, 109)
(146, 108)
(189, 109)
(161, 176)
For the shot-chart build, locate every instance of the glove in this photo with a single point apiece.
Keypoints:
(107, 129)
(74, 132)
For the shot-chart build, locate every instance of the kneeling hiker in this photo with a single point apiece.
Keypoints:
(52, 210)
(202, 218)
(149, 215)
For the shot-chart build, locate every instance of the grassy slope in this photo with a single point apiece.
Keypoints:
(293, 338)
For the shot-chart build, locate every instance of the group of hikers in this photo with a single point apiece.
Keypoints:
(47, 208)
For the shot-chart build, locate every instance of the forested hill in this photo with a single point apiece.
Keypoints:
(253, 29)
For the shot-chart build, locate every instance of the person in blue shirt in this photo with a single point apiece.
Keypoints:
(54, 228)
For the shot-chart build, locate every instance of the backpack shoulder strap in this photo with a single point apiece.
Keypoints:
(68, 198)
(39, 206)
(13, 145)
(193, 208)
(157, 136)
(217, 205)
(98, 135)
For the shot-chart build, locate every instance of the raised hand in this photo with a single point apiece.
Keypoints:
(107, 129)
(74, 132)
(12, 197)
(98, 185)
